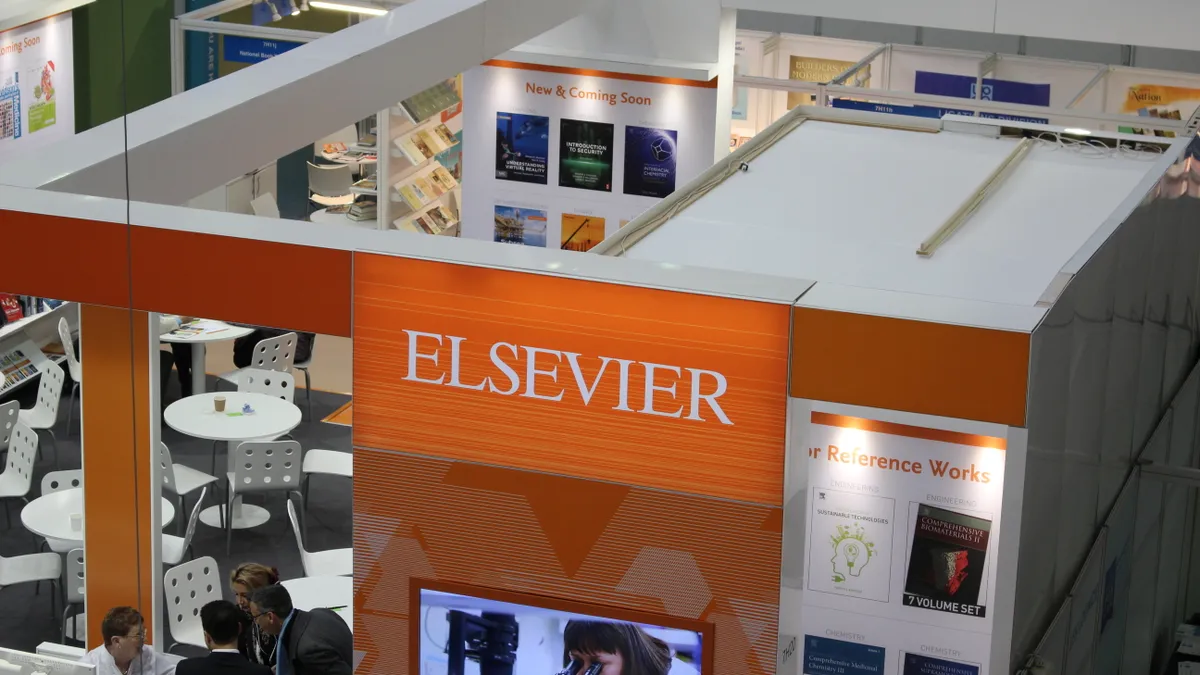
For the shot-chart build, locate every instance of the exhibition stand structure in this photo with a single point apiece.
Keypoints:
(887, 422)
(974, 375)
(777, 72)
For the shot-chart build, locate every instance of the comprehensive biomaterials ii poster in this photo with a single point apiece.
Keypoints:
(589, 150)
(37, 98)
(899, 526)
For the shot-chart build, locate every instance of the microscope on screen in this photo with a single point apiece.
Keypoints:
(489, 640)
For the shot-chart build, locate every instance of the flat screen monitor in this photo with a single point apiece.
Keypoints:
(465, 630)
(13, 662)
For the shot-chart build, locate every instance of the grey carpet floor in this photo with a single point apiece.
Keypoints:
(26, 619)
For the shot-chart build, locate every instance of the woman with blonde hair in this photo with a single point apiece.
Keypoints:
(253, 643)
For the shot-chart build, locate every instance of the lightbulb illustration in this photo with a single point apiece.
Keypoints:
(851, 552)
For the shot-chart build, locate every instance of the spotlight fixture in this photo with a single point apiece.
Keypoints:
(348, 6)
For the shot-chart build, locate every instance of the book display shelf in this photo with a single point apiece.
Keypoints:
(422, 162)
(29, 344)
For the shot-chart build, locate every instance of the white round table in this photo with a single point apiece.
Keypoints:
(309, 593)
(196, 416)
(219, 332)
(49, 516)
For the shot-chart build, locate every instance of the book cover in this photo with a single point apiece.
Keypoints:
(946, 565)
(585, 155)
(452, 158)
(11, 306)
(421, 196)
(516, 225)
(445, 178)
(432, 141)
(427, 186)
(920, 664)
(650, 161)
(410, 196)
(850, 553)
(581, 233)
(522, 147)
(423, 149)
(443, 133)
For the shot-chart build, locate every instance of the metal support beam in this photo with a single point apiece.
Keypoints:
(1178, 475)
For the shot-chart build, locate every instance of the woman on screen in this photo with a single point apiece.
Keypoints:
(619, 649)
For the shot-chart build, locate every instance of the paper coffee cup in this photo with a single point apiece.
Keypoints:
(219, 403)
(76, 522)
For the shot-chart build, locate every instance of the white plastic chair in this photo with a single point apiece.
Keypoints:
(330, 185)
(9, 413)
(73, 367)
(338, 562)
(189, 587)
(174, 548)
(277, 353)
(36, 568)
(326, 463)
(264, 205)
(17, 478)
(75, 598)
(179, 479)
(269, 382)
(262, 466)
(44, 414)
(57, 481)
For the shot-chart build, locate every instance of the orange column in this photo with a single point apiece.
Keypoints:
(116, 463)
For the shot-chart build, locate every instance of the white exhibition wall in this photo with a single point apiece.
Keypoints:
(893, 541)
(37, 85)
(577, 154)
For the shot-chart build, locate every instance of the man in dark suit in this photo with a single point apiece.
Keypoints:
(310, 643)
(222, 624)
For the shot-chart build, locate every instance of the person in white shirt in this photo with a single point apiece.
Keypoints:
(124, 650)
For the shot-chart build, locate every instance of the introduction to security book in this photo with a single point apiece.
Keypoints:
(650, 161)
(585, 155)
(946, 567)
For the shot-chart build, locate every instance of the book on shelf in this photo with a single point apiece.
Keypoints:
(444, 178)
(430, 102)
(337, 208)
(16, 367)
(426, 187)
(445, 136)
(363, 209)
(368, 183)
(11, 306)
(410, 196)
(334, 148)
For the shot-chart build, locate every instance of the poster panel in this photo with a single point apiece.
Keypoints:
(572, 145)
(901, 527)
(37, 84)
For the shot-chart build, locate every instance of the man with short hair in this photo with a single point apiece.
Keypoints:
(123, 651)
(222, 623)
(310, 643)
